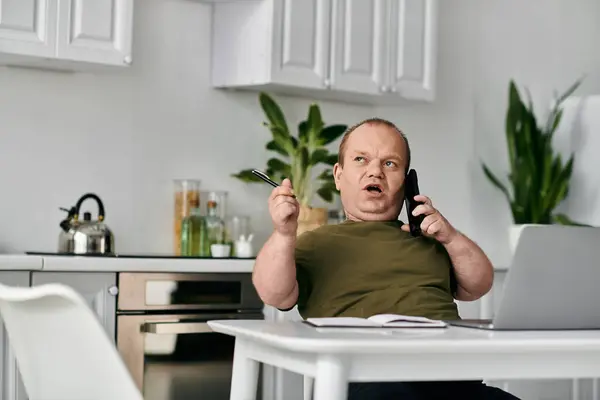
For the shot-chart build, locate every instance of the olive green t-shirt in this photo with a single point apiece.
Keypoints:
(360, 269)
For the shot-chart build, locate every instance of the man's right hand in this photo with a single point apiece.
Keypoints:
(284, 209)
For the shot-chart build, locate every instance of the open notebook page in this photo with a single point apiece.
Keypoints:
(403, 320)
(381, 320)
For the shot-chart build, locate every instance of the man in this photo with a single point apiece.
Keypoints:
(370, 264)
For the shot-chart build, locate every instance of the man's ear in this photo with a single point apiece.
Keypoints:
(337, 174)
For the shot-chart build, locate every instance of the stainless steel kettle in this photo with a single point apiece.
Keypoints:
(87, 236)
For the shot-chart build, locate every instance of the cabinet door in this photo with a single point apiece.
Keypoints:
(358, 45)
(98, 31)
(413, 47)
(97, 288)
(300, 46)
(11, 385)
(28, 27)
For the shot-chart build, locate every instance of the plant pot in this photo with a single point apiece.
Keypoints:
(514, 232)
(310, 218)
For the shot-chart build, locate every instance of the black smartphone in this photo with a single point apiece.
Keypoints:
(411, 189)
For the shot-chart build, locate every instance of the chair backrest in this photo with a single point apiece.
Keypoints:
(61, 348)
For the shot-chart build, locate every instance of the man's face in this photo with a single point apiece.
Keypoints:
(371, 182)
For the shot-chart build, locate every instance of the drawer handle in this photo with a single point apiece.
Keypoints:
(166, 328)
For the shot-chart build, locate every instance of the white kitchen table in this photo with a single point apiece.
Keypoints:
(336, 356)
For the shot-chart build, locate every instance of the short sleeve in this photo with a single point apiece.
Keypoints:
(303, 256)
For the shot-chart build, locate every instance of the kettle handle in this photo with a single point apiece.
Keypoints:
(83, 198)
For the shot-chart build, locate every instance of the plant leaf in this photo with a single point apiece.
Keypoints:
(564, 220)
(332, 159)
(570, 90)
(273, 112)
(495, 181)
(559, 100)
(556, 120)
(560, 186)
(278, 167)
(512, 122)
(326, 174)
(317, 156)
(246, 175)
(304, 159)
(283, 140)
(327, 191)
(303, 131)
(326, 194)
(274, 146)
(315, 124)
(331, 133)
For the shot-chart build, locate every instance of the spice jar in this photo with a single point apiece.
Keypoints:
(187, 197)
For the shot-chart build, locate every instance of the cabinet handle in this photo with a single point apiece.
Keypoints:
(327, 83)
(113, 290)
(162, 328)
(385, 89)
(127, 60)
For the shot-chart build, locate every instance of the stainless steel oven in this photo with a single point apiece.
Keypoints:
(164, 338)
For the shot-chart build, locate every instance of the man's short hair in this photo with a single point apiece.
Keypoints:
(372, 121)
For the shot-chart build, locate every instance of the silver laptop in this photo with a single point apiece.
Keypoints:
(552, 284)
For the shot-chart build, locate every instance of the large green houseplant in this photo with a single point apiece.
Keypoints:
(297, 156)
(539, 178)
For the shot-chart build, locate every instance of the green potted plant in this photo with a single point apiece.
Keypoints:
(297, 157)
(539, 178)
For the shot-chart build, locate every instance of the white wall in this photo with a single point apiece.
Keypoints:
(125, 135)
(579, 135)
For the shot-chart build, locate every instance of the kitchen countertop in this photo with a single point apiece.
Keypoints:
(11, 262)
(45, 262)
(20, 262)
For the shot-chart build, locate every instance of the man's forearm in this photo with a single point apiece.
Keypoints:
(274, 274)
(473, 269)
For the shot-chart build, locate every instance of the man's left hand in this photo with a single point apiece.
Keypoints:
(434, 224)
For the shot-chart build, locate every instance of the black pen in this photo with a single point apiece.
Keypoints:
(265, 178)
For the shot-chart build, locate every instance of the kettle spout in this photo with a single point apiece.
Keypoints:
(65, 224)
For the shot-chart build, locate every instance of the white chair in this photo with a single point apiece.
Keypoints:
(61, 348)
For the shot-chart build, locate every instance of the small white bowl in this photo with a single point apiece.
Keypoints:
(220, 250)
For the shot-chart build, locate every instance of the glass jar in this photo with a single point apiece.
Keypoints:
(239, 235)
(219, 197)
(187, 197)
(238, 227)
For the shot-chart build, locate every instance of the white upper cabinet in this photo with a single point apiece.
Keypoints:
(28, 27)
(263, 42)
(98, 31)
(300, 43)
(367, 51)
(358, 45)
(413, 44)
(66, 33)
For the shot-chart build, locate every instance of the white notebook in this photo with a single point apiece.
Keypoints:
(377, 321)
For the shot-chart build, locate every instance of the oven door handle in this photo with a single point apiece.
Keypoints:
(169, 328)
(198, 325)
